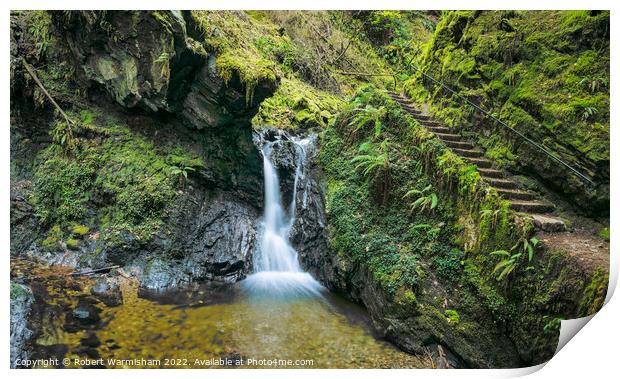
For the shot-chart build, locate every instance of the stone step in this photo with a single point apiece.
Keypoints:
(501, 183)
(440, 129)
(428, 123)
(468, 153)
(416, 113)
(424, 120)
(448, 136)
(481, 162)
(548, 223)
(459, 145)
(509, 194)
(531, 206)
(490, 173)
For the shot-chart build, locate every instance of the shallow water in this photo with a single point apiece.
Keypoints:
(204, 327)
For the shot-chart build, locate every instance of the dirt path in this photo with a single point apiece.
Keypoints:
(589, 250)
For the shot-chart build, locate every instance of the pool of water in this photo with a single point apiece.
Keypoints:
(206, 326)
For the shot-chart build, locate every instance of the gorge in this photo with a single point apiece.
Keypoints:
(243, 185)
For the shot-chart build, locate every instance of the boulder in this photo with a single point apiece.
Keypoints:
(21, 302)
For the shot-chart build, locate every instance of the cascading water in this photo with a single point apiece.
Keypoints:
(277, 269)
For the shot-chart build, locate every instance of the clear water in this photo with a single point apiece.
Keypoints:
(278, 313)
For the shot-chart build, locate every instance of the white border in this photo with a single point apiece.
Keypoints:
(591, 354)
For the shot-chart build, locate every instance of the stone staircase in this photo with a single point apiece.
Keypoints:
(520, 200)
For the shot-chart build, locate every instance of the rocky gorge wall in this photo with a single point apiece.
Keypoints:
(169, 180)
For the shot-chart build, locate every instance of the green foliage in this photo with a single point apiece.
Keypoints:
(62, 134)
(553, 325)
(594, 294)
(39, 26)
(374, 164)
(62, 187)
(512, 258)
(368, 115)
(448, 265)
(452, 316)
(425, 199)
(604, 234)
(392, 244)
(129, 178)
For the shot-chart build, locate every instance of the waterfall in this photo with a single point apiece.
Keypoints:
(277, 271)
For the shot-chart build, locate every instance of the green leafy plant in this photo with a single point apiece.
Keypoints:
(553, 325)
(426, 200)
(452, 316)
(368, 115)
(62, 134)
(513, 257)
(588, 113)
(492, 215)
(181, 172)
(374, 164)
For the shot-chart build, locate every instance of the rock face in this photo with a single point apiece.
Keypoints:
(215, 238)
(141, 59)
(21, 301)
(148, 60)
(148, 64)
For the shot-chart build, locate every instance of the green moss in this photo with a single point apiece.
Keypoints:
(452, 316)
(72, 244)
(296, 104)
(50, 242)
(594, 294)
(54, 236)
(130, 178)
(604, 234)
(79, 230)
(252, 70)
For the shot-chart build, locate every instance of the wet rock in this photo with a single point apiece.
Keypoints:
(211, 103)
(90, 340)
(148, 63)
(107, 290)
(24, 226)
(83, 316)
(216, 240)
(21, 302)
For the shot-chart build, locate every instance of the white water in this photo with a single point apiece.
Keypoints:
(276, 264)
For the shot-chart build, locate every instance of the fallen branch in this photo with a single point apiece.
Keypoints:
(34, 76)
(122, 273)
(94, 271)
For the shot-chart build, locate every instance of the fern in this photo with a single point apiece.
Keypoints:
(374, 164)
(425, 201)
(368, 115)
(513, 257)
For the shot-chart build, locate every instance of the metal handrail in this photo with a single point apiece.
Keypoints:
(488, 114)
